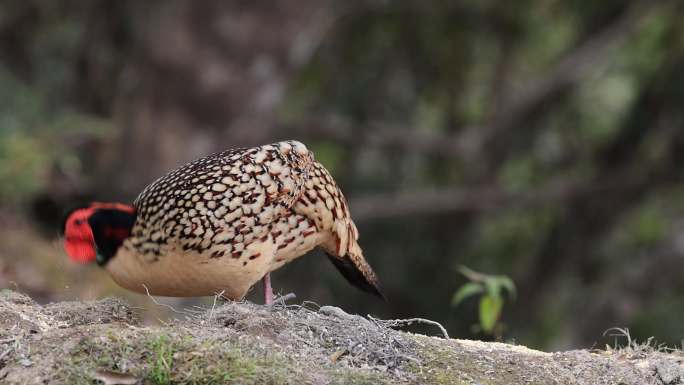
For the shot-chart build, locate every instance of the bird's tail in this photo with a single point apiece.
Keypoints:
(359, 273)
(349, 260)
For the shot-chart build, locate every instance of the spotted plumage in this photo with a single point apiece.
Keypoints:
(223, 222)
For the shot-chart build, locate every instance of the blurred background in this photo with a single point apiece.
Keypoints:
(538, 140)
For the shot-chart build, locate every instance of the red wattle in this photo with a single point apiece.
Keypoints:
(80, 250)
(79, 241)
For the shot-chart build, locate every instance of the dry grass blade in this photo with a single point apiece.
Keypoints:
(163, 304)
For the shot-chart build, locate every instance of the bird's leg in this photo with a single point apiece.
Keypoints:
(268, 291)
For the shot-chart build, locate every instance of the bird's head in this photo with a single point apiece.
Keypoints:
(95, 232)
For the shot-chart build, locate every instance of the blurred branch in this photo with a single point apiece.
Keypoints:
(629, 179)
(382, 135)
(469, 144)
(425, 203)
(574, 67)
(448, 200)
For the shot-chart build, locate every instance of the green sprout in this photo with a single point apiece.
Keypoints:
(163, 361)
(491, 289)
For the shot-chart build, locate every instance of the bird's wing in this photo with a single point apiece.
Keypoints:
(324, 204)
(219, 204)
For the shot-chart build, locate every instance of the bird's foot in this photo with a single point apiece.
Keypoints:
(268, 294)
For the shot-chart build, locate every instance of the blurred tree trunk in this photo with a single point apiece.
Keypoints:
(206, 76)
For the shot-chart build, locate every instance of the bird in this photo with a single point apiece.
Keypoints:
(220, 224)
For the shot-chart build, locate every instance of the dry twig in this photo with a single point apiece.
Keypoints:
(409, 321)
(163, 304)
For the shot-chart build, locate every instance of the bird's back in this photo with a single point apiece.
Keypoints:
(221, 222)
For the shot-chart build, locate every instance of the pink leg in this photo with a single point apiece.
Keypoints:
(268, 291)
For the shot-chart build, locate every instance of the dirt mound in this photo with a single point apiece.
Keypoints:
(244, 343)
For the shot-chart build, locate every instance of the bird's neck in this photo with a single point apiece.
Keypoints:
(110, 228)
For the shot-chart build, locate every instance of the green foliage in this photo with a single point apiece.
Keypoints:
(510, 236)
(642, 229)
(33, 138)
(604, 103)
(22, 162)
(491, 289)
(39, 82)
(160, 374)
(519, 174)
(649, 227)
(328, 153)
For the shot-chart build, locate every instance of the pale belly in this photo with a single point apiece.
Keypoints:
(186, 275)
(190, 274)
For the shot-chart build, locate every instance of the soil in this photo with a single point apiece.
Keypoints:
(243, 343)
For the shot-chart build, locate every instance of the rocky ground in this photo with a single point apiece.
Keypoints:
(243, 343)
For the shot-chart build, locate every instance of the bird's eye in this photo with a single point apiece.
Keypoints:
(78, 222)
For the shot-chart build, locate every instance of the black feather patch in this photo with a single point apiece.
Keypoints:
(110, 228)
(354, 276)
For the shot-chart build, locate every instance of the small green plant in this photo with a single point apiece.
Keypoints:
(491, 289)
(160, 373)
